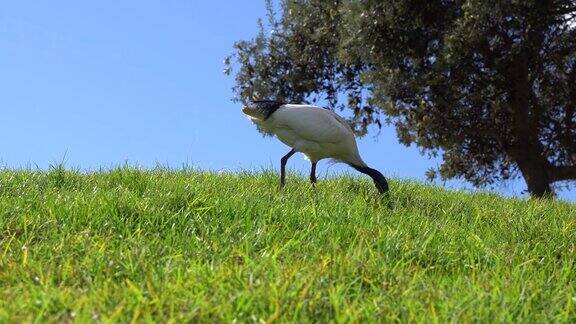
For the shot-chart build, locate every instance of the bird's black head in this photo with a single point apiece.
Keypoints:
(262, 109)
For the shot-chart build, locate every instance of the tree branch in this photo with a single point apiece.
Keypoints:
(562, 173)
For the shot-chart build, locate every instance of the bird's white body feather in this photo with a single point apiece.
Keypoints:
(316, 132)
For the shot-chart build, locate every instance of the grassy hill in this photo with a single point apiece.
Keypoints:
(186, 245)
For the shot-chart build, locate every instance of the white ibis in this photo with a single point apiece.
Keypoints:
(316, 132)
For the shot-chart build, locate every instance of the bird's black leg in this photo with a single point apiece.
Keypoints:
(283, 161)
(313, 174)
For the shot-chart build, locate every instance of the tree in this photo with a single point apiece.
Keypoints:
(488, 84)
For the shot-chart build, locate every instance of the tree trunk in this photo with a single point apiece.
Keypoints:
(535, 175)
(525, 148)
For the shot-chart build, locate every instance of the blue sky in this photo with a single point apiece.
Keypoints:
(102, 83)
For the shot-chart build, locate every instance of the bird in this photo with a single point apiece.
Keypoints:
(316, 132)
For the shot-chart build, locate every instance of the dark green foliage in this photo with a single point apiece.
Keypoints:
(491, 85)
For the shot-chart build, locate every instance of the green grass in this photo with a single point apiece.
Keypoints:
(164, 245)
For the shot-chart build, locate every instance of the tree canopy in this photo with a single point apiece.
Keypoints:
(488, 84)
